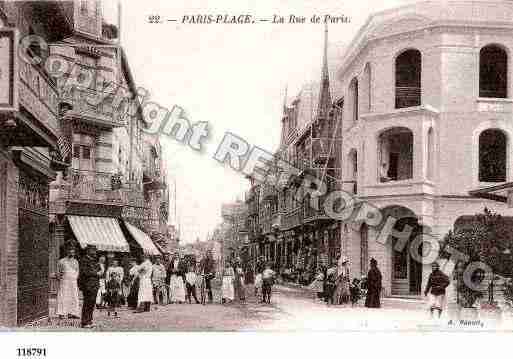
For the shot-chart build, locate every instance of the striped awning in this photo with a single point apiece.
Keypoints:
(143, 240)
(102, 232)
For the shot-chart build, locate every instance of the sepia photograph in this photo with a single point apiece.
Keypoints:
(258, 167)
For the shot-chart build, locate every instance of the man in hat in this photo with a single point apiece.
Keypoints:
(89, 280)
(159, 282)
(207, 267)
(436, 285)
(67, 295)
(259, 269)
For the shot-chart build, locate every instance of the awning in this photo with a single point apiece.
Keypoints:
(143, 240)
(102, 232)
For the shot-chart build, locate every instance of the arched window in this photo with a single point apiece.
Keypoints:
(368, 85)
(353, 91)
(396, 154)
(364, 249)
(492, 156)
(353, 169)
(430, 154)
(493, 72)
(408, 68)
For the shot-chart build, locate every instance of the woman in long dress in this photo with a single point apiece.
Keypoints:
(67, 296)
(145, 296)
(342, 294)
(100, 302)
(228, 289)
(373, 286)
(176, 284)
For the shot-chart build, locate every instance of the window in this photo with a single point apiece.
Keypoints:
(76, 151)
(430, 154)
(493, 72)
(353, 170)
(492, 156)
(396, 154)
(368, 85)
(408, 66)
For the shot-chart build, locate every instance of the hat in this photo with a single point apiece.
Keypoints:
(90, 246)
(373, 261)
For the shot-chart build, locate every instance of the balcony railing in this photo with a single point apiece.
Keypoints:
(407, 96)
(97, 187)
(38, 95)
(95, 106)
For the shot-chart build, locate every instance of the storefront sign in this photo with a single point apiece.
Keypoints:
(8, 70)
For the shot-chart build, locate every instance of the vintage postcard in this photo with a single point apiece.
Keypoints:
(241, 166)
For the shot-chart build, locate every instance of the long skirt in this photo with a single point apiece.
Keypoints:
(101, 292)
(316, 286)
(176, 289)
(228, 290)
(372, 300)
(258, 281)
(342, 293)
(239, 288)
(436, 301)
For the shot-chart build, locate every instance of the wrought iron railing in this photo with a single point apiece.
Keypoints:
(407, 96)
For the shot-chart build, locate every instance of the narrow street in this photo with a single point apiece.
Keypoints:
(292, 309)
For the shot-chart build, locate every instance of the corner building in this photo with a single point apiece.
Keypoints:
(427, 93)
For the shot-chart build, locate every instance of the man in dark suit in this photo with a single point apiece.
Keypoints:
(207, 266)
(90, 272)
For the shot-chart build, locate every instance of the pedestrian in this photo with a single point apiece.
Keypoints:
(227, 288)
(342, 293)
(120, 276)
(438, 281)
(145, 296)
(259, 269)
(100, 297)
(238, 281)
(67, 295)
(268, 277)
(159, 282)
(113, 295)
(190, 282)
(331, 285)
(373, 286)
(317, 285)
(207, 268)
(176, 284)
(89, 282)
(133, 275)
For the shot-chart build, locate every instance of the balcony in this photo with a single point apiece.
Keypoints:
(407, 97)
(39, 97)
(276, 221)
(291, 219)
(321, 151)
(153, 177)
(85, 107)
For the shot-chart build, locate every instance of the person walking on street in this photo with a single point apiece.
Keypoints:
(89, 280)
(100, 297)
(176, 284)
(145, 296)
(227, 289)
(342, 295)
(259, 269)
(373, 286)
(159, 282)
(268, 276)
(438, 281)
(190, 282)
(207, 267)
(133, 275)
(67, 296)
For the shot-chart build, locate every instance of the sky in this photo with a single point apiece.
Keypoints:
(232, 76)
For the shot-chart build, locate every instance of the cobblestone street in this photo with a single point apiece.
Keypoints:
(292, 309)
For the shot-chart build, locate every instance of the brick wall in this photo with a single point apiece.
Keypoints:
(8, 240)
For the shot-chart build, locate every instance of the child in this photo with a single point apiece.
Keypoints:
(355, 291)
(113, 294)
(267, 283)
(190, 282)
(227, 288)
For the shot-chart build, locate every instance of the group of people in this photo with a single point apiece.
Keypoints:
(333, 284)
(108, 285)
